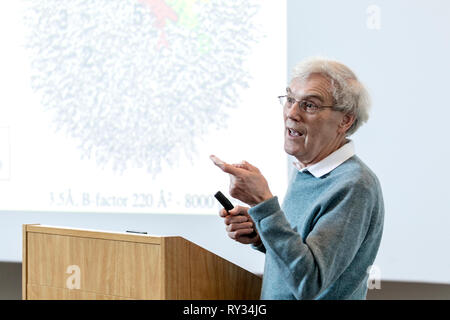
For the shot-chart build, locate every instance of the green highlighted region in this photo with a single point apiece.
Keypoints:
(188, 18)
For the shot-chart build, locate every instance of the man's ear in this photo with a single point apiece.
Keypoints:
(346, 122)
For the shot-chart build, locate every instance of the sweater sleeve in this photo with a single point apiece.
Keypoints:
(338, 231)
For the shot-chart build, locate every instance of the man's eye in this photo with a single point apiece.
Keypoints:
(310, 106)
(290, 100)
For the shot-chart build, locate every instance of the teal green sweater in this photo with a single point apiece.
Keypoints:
(320, 244)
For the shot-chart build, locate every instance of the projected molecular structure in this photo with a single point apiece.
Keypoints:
(139, 82)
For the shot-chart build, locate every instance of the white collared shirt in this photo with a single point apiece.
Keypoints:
(329, 163)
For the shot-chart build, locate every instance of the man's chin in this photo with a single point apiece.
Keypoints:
(291, 151)
(295, 151)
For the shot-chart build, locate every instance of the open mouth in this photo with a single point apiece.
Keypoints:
(294, 133)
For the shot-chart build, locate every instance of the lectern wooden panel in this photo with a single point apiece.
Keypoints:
(64, 263)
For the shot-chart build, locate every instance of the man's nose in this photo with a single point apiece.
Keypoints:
(294, 112)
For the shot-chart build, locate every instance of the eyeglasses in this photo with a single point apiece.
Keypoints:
(307, 106)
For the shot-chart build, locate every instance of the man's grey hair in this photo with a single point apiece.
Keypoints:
(350, 95)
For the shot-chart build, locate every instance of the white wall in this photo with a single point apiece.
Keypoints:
(400, 50)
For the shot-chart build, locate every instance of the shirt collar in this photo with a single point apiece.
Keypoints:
(331, 162)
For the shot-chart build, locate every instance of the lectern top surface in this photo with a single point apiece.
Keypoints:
(97, 234)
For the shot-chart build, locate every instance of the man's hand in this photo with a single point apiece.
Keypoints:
(240, 226)
(246, 182)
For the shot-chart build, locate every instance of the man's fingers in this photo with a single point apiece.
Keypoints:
(237, 210)
(250, 167)
(237, 226)
(235, 219)
(217, 161)
(232, 169)
(228, 168)
(235, 235)
(247, 166)
(223, 213)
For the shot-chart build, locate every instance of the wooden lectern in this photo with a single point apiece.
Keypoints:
(65, 263)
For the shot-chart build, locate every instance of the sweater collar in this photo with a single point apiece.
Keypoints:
(329, 163)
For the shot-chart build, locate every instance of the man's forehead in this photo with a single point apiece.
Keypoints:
(315, 84)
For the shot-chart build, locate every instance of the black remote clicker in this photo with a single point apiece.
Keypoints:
(224, 201)
(228, 206)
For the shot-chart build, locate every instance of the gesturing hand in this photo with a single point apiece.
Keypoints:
(246, 182)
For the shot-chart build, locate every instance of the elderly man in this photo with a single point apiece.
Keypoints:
(320, 243)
